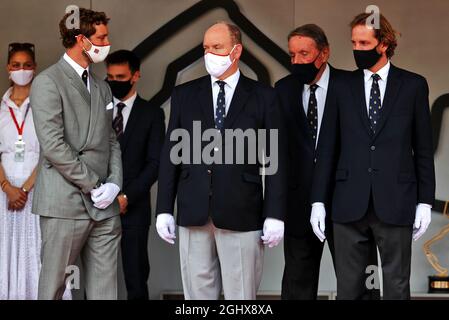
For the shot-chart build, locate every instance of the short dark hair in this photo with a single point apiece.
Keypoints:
(122, 57)
(385, 34)
(26, 47)
(311, 31)
(88, 20)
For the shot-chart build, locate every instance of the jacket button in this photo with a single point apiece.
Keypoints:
(373, 148)
(370, 170)
(209, 171)
(314, 160)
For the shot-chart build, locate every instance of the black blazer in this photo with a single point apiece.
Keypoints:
(231, 194)
(301, 151)
(141, 145)
(395, 164)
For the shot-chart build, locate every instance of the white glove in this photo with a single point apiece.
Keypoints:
(104, 195)
(318, 220)
(423, 217)
(273, 232)
(165, 226)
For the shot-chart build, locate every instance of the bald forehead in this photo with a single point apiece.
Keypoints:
(218, 32)
(219, 28)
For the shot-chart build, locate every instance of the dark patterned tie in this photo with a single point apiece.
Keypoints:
(117, 123)
(312, 113)
(220, 111)
(375, 106)
(84, 76)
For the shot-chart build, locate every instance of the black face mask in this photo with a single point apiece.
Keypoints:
(365, 59)
(305, 72)
(120, 88)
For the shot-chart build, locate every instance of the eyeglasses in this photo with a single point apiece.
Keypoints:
(16, 46)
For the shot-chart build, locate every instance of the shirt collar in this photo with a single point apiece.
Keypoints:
(231, 81)
(79, 70)
(7, 102)
(323, 82)
(383, 72)
(128, 102)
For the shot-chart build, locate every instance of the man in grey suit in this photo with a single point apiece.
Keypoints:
(80, 169)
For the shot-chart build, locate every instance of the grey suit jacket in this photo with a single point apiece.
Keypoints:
(78, 145)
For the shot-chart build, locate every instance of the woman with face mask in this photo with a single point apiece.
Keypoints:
(20, 239)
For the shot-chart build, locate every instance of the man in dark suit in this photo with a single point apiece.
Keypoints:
(303, 98)
(222, 211)
(378, 133)
(140, 129)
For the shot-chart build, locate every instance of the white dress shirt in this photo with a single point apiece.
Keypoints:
(231, 84)
(383, 73)
(126, 111)
(320, 94)
(79, 70)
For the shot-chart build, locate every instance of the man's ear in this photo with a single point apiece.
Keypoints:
(238, 51)
(383, 47)
(136, 76)
(325, 54)
(80, 41)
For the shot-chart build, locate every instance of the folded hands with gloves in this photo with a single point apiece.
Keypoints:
(104, 195)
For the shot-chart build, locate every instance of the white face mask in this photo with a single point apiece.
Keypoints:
(217, 64)
(97, 53)
(22, 77)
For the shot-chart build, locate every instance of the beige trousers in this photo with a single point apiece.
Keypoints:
(213, 259)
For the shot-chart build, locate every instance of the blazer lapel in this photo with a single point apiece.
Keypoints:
(393, 85)
(297, 110)
(131, 124)
(358, 91)
(94, 108)
(206, 102)
(238, 101)
(75, 80)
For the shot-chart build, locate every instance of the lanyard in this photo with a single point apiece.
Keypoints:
(19, 128)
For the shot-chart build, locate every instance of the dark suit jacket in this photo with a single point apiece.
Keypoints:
(395, 164)
(231, 194)
(301, 151)
(141, 145)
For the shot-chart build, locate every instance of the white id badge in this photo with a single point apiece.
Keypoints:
(19, 154)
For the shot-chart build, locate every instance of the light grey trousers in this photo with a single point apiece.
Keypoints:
(213, 259)
(97, 244)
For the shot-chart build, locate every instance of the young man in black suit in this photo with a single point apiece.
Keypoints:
(304, 97)
(140, 129)
(223, 214)
(376, 147)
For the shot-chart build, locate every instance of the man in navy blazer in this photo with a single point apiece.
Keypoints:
(376, 148)
(224, 216)
(140, 130)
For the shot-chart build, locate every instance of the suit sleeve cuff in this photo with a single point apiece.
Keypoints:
(318, 204)
(425, 205)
